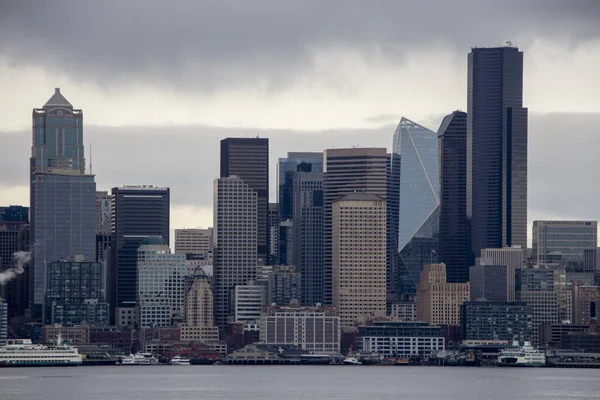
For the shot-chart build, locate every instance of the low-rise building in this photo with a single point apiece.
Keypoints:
(120, 338)
(404, 311)
(73, 334)
(400, 339)
(314, 329)
(550, 335)
(482, 320)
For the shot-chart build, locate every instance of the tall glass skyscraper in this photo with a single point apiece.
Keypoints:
(416, 148)
(496, 149)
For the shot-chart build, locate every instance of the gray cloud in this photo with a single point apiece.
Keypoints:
(563, 163)
(266, 43)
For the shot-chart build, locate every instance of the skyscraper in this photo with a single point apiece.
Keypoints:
(248, 159)
(496, 149)
(563, 241)
(286, 168)
(103, 237)
(346, 171)
(512, 257)
(452, 140)
(14, 217)
(235, 241)
(416, 147)
(137, 212)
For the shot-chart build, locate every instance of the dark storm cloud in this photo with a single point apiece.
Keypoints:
(563, 162)
(208, 44)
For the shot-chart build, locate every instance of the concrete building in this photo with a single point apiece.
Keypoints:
(160, 285)
(248, 159)
(358, 262)
(284, 285)
(489, 282)
(452, 143)
(248, 302)
(348, 171)
(484, 320)
(199, 324)
(196, 242)
(74, 334)
(496, 149)
(63, 224)
(550, 335)
(315, 329)
(138, 212)
(404, 311)
(400, 339)
(439, 302)
(75, 292)
(586, 303)
(512, 257)
(235, 241)
(563, 242)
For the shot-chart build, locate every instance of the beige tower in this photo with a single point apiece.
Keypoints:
(438, 302)
(199, 312)
(358, 244)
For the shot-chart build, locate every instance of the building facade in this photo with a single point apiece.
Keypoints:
(284, 286)
(404, 311)
(496, 149)
(497, 320)
(248, 159)
(586, 304)
(248, 302)
(563, 241)
(286, 169)
(196, 244)
(3, 321)
(489, 282)
(400, 339)
(453, 249)
(439, 302)
(348, 171)
(359, 252)
(14, 217)
(512, 257)
(314, 329)
(199, 325)
(235, 241)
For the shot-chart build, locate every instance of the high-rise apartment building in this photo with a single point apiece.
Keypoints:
(512, 257)
(496, 149)
(160, 285)
(248, 159)
(453, 249)
(137, 212)
(199, 325)
(347, 171)
(63, 224)
(563, 242)
(235, 241)
(308, 234)
(418, 219)
(75, 292)
(439, 302)
(358, 257)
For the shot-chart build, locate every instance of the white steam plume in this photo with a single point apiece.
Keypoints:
(21, 259)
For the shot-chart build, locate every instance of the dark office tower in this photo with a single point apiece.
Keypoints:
(286, 168)
(103, 236)
(418, 220)
(348, 171)
(392, 221)
(14, 217)
(63, 224)
(8, 246)
(16, 290)
(308, 234)
(274, 233)
(452, 141)
(496, 149)
(137, 212)
(248, 159)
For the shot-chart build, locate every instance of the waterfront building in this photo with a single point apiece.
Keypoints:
(419, 201)
(315, 329)
(586, 303)
(489, 282)
(73, 334)
(359, 250)
(453, 249)
(439, 302)
(284, 285)
(248, 159)
(248, 302)
(550, 335)
(63, 224)
(563, 242)
(347, 171)
(404, 311)
(138, 212)
(75, 292)
(496, 149)
(497, 320)
(199, 324)
(235, 241)
(121, 338)
(400, 339)
(512, 257)
(160, 284)
(308, 233)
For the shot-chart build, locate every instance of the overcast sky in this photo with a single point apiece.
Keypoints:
(161, 82)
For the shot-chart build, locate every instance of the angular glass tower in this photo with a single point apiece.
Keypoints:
(416, 155)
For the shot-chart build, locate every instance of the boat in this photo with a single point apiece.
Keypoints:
(127, 360)
(351, 361)
(23, 353)
(177, 360)
(517, 356)
(401, 361)
(138, 359)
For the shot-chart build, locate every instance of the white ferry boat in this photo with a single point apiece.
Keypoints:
(23, 353)
(177, 360)
(139, 359)
(517, 356)
(351, 361)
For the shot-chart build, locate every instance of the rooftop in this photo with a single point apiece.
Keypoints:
(58, 100)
